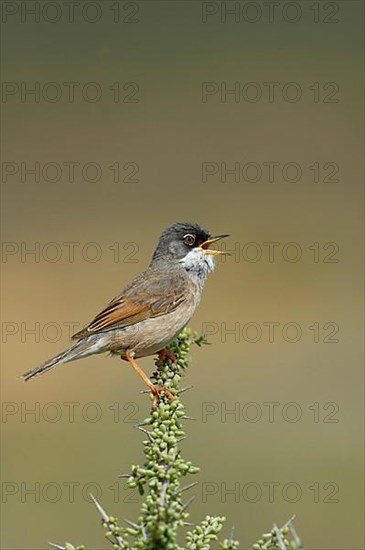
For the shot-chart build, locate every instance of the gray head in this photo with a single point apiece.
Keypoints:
(187, 245)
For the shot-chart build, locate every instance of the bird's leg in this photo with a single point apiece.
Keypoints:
(154, 389)
(165, 354)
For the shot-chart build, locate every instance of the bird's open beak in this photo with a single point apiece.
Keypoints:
(206, 246)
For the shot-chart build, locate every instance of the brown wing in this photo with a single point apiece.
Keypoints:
(149, 295)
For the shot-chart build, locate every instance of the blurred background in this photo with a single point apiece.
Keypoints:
(130, 126)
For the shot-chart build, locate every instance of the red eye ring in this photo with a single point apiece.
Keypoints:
(189, 239)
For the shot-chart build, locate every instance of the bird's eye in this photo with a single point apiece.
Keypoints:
(189, 239)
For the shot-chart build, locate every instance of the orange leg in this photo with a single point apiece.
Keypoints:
(165, 354)
(155, 390)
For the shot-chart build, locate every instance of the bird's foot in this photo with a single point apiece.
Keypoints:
(164, 354)
(156, 390)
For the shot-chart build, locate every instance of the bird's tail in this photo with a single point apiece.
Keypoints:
(83, 348)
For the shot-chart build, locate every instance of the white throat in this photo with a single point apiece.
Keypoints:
(198, 264)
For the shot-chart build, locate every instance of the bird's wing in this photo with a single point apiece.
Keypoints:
(144, 298)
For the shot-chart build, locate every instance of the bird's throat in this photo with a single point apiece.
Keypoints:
(198, 265)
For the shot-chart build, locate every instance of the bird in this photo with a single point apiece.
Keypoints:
(153, 308)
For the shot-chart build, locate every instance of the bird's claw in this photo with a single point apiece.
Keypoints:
(156, 395)
(164, 354)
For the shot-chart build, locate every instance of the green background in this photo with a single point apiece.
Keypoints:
(169, 132)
